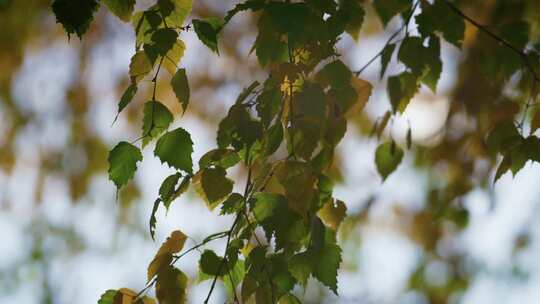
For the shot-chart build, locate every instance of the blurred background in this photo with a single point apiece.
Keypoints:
(436, 231)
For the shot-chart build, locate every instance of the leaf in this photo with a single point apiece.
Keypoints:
(535, 123)
(332, 213)
(171, 286)
(127, 97)
(215, 186)
(211, 264)
(123, 9)
(224, 158)
(207, 30)
(156, 120)
(298, 179)
(386, 9)
(411, 53)
(125, 295)
(363, 92)
(175, 148)
(438, 18)
(75, 15)
(172, 59)
(335, 74)
(355, 17)
(139, 67)
(388, 156)
(503, 137)
(177, 17)
(274, 138)
(401, 88)
(327, 261)
(386, 56)
(163, 41)
(289, 299)
(107, 297)
(234, 277)
(123, 160)
(516, 33)
(173, 244)
(180, 85)
(249, 285)
(300, 267)
(153, 222)
(168, 187)
(232, 204)
(432, 57)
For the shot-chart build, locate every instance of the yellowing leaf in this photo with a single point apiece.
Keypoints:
(363, 90)
(124, 296)
(213, 186)
(139, 67)
(123, 9)
(173, 56)
(332, 213)
(171, 286)
(172, 245)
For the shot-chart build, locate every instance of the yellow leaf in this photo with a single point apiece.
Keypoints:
(332, 213)
(124, 296)
(173, 56)
(172, 245)
(140, 66)
(363, 89)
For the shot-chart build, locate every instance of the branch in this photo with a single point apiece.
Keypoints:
(499, 39)
(405, 26)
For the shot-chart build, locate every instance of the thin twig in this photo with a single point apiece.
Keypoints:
(405, 26)
(499, 39)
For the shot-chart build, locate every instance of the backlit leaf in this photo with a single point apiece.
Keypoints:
(108, 297)
(215, 186)
(224, 158)
(123, 9)
(401, 88)
(156, 120)
(127, 97)
(171, 286)
(332, 213)
(388, 156)
(173, 244)
(139, 67)
(327, 261)
(180, 85)
(175, 148)
(123, 160)
(173, 56)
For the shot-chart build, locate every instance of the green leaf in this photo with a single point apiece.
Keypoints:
(163, 41)
(139, 67)
(156, 120)
(212, 264)
(171, 286)
(182, 9)
(249, 285)
(335, 74)
(354, 16)
(207, 30)
(144, 24)
(269, 102)
(300, 267)
(269, 47)
(411, 53)
(274, 138)
(516, 33)
(232, 204)
(327, 261)
(401, 88)
(175, 148)
(432, 57)
(123, 9)
(168, 187)
(123, 160)
(174, 243)
(503, 137)
(386, 9)
(386, 56)
(127, 97)
(289, 299)
(75, 15)
(180, 85)
(108, 297)
(215, 186)
(388, 156)
(224, 158)
(437, 17)
(234, 277)
(153, 221)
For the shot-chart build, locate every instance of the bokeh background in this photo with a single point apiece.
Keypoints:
(436, 231)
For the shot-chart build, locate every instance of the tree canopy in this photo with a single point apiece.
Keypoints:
(284, 128)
